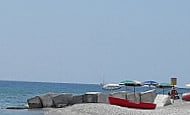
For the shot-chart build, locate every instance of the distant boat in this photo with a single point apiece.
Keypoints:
(131, 104)
(188, 85)
(111, 86)
(102, 84)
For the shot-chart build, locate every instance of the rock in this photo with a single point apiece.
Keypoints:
(62, 100)
(35, 102)
(90, 97)
(77, 99)
(103, 98)
(162, 100)
(50, 100)
(47, 100)
(95, 97)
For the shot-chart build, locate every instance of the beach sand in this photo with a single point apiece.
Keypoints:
(179, 107)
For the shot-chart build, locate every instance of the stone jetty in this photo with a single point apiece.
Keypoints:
(55, 100)
(52, 100)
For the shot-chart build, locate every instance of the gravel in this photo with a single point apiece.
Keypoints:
(179, 107)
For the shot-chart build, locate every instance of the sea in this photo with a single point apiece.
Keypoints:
(16, 93)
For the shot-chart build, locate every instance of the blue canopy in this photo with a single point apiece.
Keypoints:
(150, 82)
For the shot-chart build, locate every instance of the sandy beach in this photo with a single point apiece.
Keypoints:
(179, 107)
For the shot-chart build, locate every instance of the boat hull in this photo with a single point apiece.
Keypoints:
(186, 97)
(131, 104)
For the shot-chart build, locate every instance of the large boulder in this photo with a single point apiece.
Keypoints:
(77, 99)
(162, 100)
(103, 98)
(34, 102)
(90, 97)
(148, 96)
(50, 100)
(62, 100)
(47, 100)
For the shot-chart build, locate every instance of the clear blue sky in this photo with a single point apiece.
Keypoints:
(85, 41)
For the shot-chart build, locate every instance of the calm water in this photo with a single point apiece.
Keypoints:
(15, 93)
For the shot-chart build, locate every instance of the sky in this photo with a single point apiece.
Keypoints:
(94, 41)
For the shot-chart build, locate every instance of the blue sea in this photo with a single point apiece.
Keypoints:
(16, 93)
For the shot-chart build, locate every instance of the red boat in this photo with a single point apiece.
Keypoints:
(186, 96)
(131, 104)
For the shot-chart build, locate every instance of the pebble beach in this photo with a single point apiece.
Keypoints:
(179, 107)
